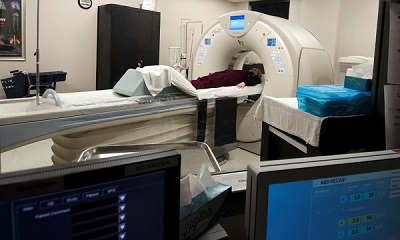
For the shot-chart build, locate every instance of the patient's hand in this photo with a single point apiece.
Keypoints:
(241, 85)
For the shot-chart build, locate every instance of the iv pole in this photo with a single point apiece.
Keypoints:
(37, 57)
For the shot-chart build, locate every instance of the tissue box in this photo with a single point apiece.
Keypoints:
(356, 83)
(205, 210)
(333, 100)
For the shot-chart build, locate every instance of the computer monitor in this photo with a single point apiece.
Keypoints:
(351, 196)
(133, 196)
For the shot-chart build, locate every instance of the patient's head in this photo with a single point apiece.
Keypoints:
(254, 77)
(256, 72)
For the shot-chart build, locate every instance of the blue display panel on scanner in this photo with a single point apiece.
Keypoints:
(271, 42)
(236, 23)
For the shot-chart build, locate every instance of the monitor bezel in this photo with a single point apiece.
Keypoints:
(262, 175)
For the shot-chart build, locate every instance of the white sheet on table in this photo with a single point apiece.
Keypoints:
(90, 98)
(158, 77)
(283, 113)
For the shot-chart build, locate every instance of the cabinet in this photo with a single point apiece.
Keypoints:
(126, 37)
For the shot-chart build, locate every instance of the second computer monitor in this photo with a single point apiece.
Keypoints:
(352, 196)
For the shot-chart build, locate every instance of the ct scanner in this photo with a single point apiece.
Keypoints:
(291, 56)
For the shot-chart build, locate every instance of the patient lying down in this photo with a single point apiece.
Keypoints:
(238, 78)
(216, 85)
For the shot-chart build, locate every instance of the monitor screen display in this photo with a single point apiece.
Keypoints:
(349, 198)
(127, 197)
(236, 23)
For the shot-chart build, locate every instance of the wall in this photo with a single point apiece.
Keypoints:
(343, 27)
(68, 35)
(67, 42)
(318, 17)
(357, 30)
(175, 15)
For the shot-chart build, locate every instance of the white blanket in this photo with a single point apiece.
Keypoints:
(283, 113)
(158, 77)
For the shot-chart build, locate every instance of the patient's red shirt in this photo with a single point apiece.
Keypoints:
(221, 79)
